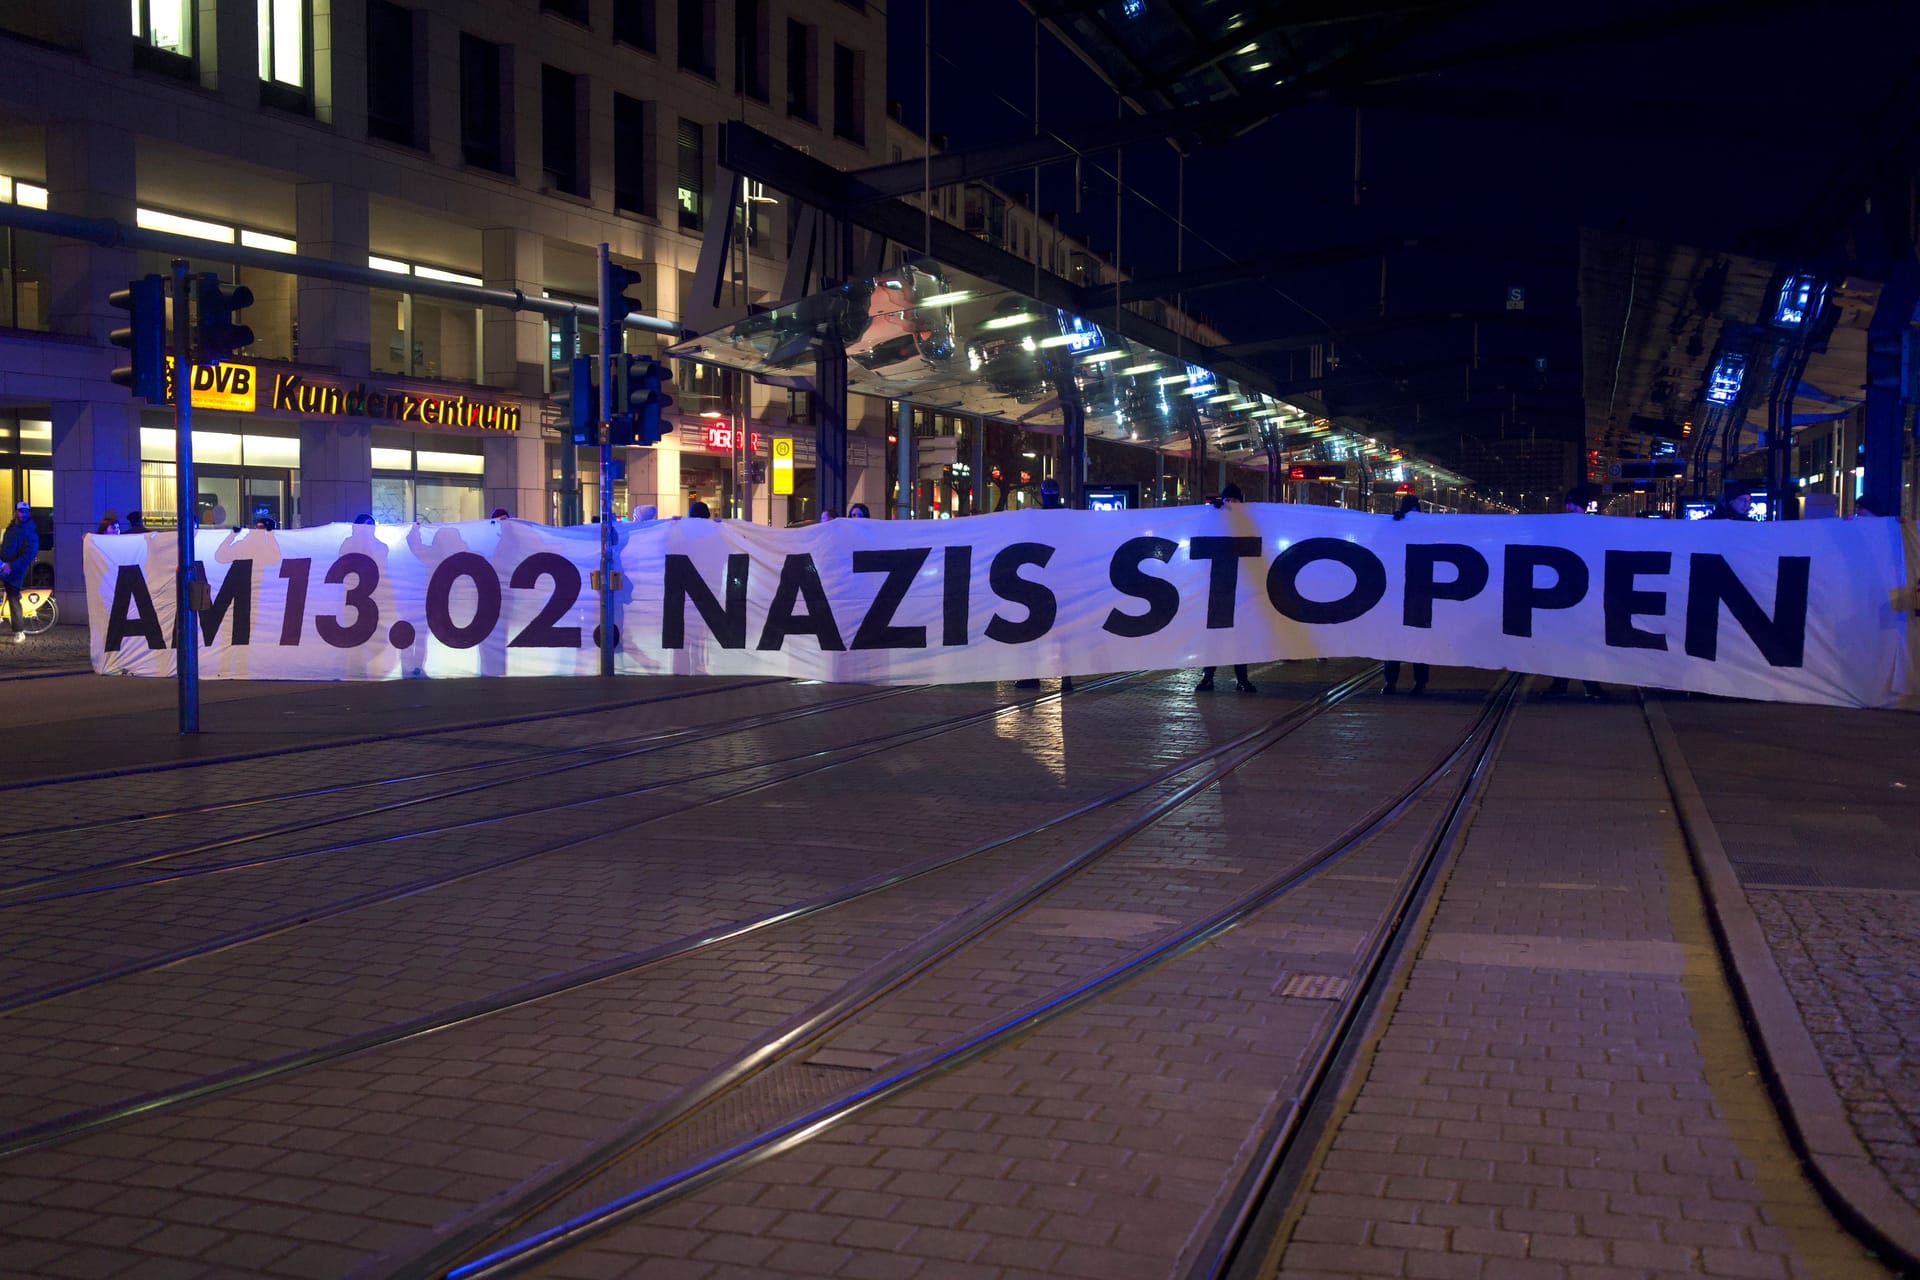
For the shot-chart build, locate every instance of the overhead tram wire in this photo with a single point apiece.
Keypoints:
(1088, 160)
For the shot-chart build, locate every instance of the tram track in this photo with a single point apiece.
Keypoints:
(810, 761)
(33, 1137)
(40, 889)
(364, 740)
(549, 1215)
(14, 835)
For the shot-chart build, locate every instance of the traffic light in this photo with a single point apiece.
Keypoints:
(145, 301)
(577, 398)
(615, 305)
(221, 338)
(641, 398)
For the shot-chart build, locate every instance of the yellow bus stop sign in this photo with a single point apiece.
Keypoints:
(783, 464)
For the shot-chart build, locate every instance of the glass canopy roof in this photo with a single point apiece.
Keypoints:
(941, 339)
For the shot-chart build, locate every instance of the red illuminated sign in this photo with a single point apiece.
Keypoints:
(720, 438)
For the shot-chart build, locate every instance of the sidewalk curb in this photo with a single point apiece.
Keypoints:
(1810, 1107)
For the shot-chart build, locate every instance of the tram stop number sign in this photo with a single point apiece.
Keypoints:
(783, 464)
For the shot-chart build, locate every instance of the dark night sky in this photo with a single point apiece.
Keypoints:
(1701, 133)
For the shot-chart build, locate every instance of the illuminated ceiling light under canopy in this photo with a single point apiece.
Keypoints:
(947, 299)
(1007, 322)
(1130, 370)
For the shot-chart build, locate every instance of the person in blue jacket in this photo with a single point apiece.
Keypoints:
(18, 546)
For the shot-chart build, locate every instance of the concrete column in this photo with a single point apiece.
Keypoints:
(336, 469)
(230, 51)
(96, 469)
(516, 341)
(340, 66)
(516, 358)
(653, 478)
(336, 326)
(96, 442)
(516, 475)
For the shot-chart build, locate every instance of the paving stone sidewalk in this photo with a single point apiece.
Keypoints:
(1821, 826)
(1564, 1088)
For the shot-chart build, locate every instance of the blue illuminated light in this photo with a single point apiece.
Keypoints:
(1728, 372)
(1800, 299)
(1199, 380)
(1081, 334)
(1133, 8)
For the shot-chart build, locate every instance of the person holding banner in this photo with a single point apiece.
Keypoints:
(1409, 505)
(1049, 501)
(1230, 494)
(1576, 504)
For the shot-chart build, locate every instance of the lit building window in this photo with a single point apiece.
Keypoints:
(691, 195)
(165, 24)
(1724, 385)
(283, 42)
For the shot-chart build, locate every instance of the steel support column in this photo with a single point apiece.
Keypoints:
(978, 488)
(830, 423)
(1889, 388)
(904, 465)
(1073, 435)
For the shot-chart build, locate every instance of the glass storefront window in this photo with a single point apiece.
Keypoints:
(425, 338)
(25, 269)
(445, 500)
(36, 437)
(438, 485)
(157, 495)
(245, 474)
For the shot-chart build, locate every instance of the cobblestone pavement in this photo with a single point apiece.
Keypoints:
(1822, 826)
(276, 1179)
(61, 649)
(1564, 1088)
(1848, 958)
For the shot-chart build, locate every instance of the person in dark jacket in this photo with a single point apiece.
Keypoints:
(18, 546)
(1229, 495)
(1576, 504)
(1409, 505)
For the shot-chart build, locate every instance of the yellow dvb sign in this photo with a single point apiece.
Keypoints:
(220, 386)
(783, 464)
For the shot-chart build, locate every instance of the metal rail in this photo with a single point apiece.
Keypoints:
(518, 1213)
(303, 916)
(602, 753)
(401, 735)
(35, 1137)
(1234, 1249)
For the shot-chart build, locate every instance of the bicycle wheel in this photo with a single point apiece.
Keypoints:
(34, 621)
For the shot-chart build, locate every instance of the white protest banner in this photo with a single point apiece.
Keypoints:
(1795, 611)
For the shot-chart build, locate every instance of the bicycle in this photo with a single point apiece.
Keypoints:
(38, 611)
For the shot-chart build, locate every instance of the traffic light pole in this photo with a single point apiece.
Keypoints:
(186, 650)
(610, 342)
